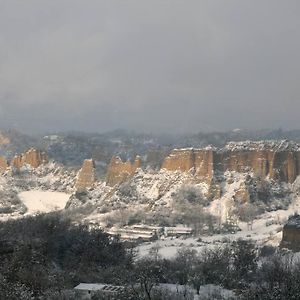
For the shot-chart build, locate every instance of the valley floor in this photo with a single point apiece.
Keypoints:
(266, 230)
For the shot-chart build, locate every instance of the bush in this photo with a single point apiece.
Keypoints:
(247, 212)
(6, 210)
(126, 190)
(267, 250)
(125, 217)
(191, 195)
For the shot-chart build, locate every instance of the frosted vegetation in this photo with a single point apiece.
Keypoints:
(44, 256)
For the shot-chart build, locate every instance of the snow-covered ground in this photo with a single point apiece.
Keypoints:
(208, 291)
(266, 230)
(38, 201)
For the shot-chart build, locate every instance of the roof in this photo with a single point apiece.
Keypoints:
(89, 286)
(98, 287)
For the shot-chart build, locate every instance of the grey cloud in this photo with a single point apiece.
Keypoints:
(149, 65)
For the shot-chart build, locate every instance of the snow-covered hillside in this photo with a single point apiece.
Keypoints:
(156, 197)
(21, 189)
(265, 230)
(149, 197)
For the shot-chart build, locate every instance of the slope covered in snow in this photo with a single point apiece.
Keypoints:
(265, 230)
(157, 197)
(17, 186)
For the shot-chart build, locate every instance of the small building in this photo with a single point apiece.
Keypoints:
(85, 291)
(291, 234)
(134, 234)
(178, 231)
(158, 230)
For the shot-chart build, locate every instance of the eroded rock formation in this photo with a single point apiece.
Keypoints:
(86, 176)
(32, 157)
(118, 171)
(279, 161)
(198, 161)
(291, 234)
(3, 164)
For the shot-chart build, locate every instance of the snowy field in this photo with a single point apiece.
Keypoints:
(43, 201)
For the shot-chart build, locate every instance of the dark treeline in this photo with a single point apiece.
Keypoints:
(43, 256)
(47, 254)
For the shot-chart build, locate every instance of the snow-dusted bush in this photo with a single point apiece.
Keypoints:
(127, 191)
(6, 210)
(125, 217)
(191, 195)
(161, 217)
(267, 250)
(247, 212)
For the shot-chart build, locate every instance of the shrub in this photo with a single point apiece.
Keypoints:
(267, 250)
(191, 195)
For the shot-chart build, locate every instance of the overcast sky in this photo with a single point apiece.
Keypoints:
(149, 65)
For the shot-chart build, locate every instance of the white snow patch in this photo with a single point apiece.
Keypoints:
(43, 202)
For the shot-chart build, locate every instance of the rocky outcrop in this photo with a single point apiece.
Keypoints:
(180, 160)
(3, 164)
(199, 162)
(279, 161)
(281, 166)
(291, 234)
(118, 171)
(32, 157)
(86, 176)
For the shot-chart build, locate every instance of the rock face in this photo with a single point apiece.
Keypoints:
(118, 171)
(86, 176)
(279, 161)
(3, 164)
(32, 157)
(283, 166)
(200, 162)
(291, 234)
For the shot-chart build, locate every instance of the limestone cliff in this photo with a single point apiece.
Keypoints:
(180, 160)
(199, 162)
(32, 157)
(279, 161)
(86, 176)
(118, 171)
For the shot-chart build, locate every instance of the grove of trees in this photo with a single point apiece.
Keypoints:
(44, 256)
